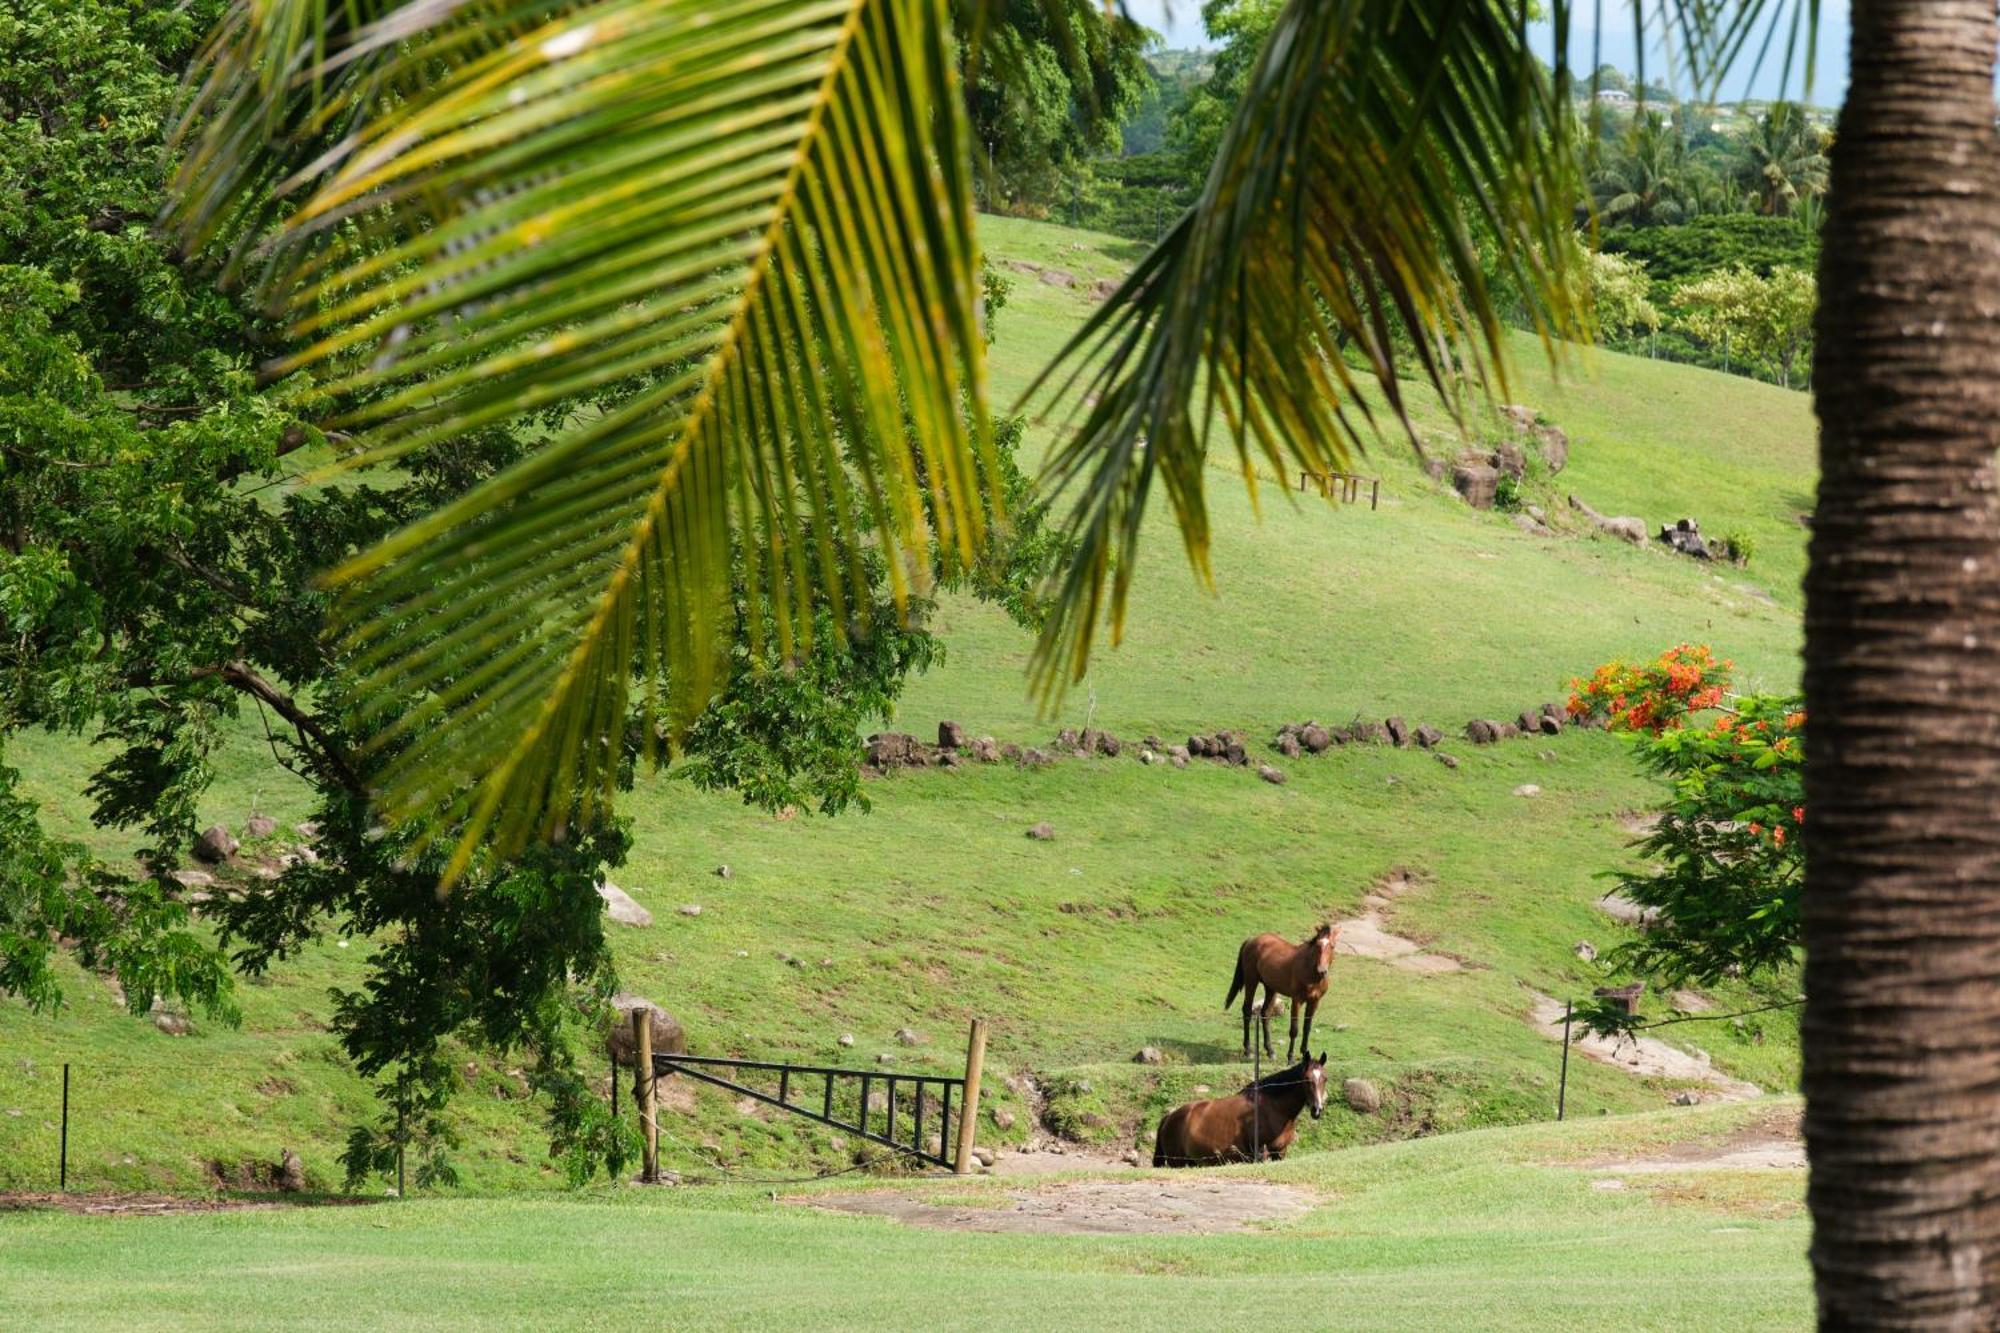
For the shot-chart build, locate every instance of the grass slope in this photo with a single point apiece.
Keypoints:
(1471, 1231)
(1122, 930)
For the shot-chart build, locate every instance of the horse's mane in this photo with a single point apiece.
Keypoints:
(1281, 1078)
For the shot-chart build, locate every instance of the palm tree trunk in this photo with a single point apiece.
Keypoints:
(1902, 899)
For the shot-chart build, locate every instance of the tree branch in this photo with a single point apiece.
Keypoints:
(332, 758)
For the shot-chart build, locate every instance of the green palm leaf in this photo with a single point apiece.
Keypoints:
(1379, 146)
(751, 214)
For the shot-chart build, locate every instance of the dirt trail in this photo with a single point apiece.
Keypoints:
(1182, 1204)
(1769, 1143)
(1368, 935)
(1644, 1057)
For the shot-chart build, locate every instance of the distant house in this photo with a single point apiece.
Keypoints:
(1614, 97)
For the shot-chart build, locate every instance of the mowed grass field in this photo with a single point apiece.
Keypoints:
(1120, 932)
(1499, 1229)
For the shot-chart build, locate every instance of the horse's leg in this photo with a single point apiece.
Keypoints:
(1249, 1003)
(1292, 1037)
(1312, 1007)
(1270, 1000)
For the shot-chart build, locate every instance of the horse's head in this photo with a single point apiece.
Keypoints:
(1316, 1083)
(1322, 949)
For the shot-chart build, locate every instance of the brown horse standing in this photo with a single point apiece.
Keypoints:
(1257, 1124)
(1283, 968)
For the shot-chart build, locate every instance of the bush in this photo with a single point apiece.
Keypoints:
(1507, 495)
(1739, 546)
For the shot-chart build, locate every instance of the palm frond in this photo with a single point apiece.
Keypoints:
(1379, 147)
(749, 217)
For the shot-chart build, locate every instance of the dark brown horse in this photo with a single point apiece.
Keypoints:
(1283, 968)
(1257, 1124)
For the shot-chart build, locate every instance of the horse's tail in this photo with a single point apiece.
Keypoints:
(1237, 981)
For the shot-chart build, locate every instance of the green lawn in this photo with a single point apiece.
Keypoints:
(1466, 1231)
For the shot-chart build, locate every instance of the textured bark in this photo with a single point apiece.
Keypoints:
(1902, 900)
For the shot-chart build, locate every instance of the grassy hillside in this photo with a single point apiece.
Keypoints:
(1121, 931)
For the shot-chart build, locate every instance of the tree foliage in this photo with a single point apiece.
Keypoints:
(1763, 319)
(1725, 857)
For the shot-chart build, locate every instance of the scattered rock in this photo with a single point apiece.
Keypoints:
(847, 1039)
(1449, 761)
(690, 909)
(722, 872)
(621, 907)
(1586, 951)
(1103, 289)
(291, 1172)
(1288, 746)
(667, 1035)
(1529, 720)
(1482, 732)
(1427, 737)
(260, 826)
(1034, 758)
(907, 1036)
(882, 1058)
(1315, 738)
(215, 845)
(1620, 908)
(1510, 460)
(1685, 536)
(171, 1023)
(1625, 528)
(1109, 745)
(192, 879)
(1361, 1096)
(1274, 776)
(1687, 1097)
(1149, 1055)
(982, 1154)
(951, 736)
(1042, 832)
(1398, 731)
(1476, 483)
(890, 749)
(1527, 789)
(1002, 1117)
(307, 829)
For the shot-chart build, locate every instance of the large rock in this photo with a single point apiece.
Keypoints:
(621, 906)
(1624, 527)
(1482, 732)
(1685, 536)
(1511, 460)
(1476, 483)
(985, 750)
(1361, 1096)
(291, 1172)
(1315, 738)
(1427, 737)
(1150, 1055)
(1554, 447)
(889, 749)
(1399, 732)
(215, 845)
(1042, 832)
(1109, 745)
(1288, 745)
(260, 826)
(951, 736)
(1274, 776)
(668, 1037)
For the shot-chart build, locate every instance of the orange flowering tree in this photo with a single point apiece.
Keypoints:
(1725, 856)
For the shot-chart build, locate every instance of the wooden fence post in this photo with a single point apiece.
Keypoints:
(968, 1111)
(649, 1118)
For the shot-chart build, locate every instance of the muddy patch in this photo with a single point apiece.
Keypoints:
(1368, 935)
(1643, 1057)
(1772, 1143)
(1172, 1206)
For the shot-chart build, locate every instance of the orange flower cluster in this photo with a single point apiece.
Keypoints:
(1652, 696)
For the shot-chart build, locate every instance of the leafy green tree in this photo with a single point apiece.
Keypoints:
(160, 563)
(1620, 300)
(1648, 181)
(1763, 320)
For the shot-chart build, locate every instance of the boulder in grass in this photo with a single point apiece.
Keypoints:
(986, 750)
(1042, 832)
(1427, 737)
(1476, 483)
(667, 1035)
(291, 1173)
(1274, 776)
(1398, 732)
(951, 736)
(1150, 1055)
(1109, 745)
(260, 826)
(1482, 732)
(1315, 738)
(1361, 1096)
(621, 907)
(1550, 724)
(1288, 745)
(1447, 760)
(1529, 721)
(215, 845)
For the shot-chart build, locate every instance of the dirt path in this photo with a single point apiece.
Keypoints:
(1181, 1204)
(1643, 1057)
(163, 1205)
(1771, 1143)
(1368, 935)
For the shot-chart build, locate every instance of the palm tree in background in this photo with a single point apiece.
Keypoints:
(1646, 179)
(752, 216)
(1787, 160)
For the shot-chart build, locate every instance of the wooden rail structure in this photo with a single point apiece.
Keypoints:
(811, 1091)
(1347, 483)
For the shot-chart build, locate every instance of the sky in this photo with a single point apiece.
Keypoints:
(1180, 22)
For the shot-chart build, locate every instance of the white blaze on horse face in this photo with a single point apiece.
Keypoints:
(1316, 1079)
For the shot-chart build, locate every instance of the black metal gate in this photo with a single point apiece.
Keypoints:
(815, 1100)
